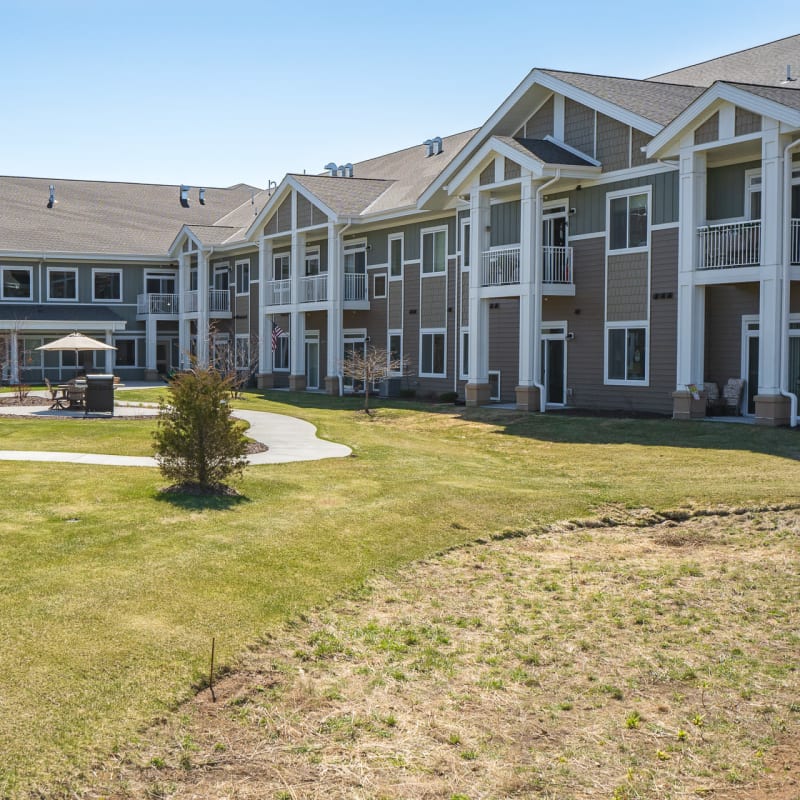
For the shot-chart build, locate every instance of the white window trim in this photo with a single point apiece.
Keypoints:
(238, 264)
(310, 254)
(103, 271)
(389, 334)
(749, 190)
(645, 190)
(279, 257)
(396, 237)
(223, 268)
(463, 334)
(432, 332)
(495, 398)
(422, 234)
(375, 276)
(135, 340)
(15, 268)
(648, 346)
(74, 271)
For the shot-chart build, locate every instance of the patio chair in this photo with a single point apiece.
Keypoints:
(76, 394)
(714, 403)
(57, 398)
(732, 394)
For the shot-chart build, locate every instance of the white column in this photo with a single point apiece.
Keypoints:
(297, 334)
(529, 303)
(151, 329)
(264, 321)
(297, 343)
(184, 343)
(203, 318)
(479, 217)
(335, 335)
(691, 299)
(13, 355)
(771, 283)
(110, 358)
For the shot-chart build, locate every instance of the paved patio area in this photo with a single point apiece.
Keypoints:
(287, 438)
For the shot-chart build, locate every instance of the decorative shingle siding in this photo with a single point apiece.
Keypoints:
(318, 217)
(708, 131)
(487, 175)
(303, 211)
(613, 143)
(540, 124)
(512, 170)
(626, 287)
(639, 140)
(579, 126)
(281, 220)
(746, 122)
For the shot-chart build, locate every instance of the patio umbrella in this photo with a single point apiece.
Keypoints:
(78, 342)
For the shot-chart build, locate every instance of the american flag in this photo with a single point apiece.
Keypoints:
(277, 332)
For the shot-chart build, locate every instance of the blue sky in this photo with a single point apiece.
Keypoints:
(214, 93)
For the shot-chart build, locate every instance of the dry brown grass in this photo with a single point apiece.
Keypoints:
(644, 659)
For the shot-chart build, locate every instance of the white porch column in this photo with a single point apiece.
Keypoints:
(297, 334)
(203, 318)
(477, 388)
(151, 331)
(13, 357)
(110, 355)
(264, 320)
(530, 301)
(691, 298)
(335, 330)
(184, 336)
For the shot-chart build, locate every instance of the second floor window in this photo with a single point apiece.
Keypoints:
(17, 283)
(627, 225)
(107, 286)
(242, 277)
(281, 267)
(434, 252)
(62, 284)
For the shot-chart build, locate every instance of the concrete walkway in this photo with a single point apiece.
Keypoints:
(287, 438)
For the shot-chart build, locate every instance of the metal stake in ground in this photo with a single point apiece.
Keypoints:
(211, 672)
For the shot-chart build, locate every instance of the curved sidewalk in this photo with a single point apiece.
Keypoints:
(287, 438)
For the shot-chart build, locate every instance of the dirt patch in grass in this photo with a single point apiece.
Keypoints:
(646, 659)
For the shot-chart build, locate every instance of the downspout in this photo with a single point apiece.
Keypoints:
(537, 286)
(787, 281)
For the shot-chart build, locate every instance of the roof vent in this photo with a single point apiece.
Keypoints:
(433, 146)
(185, 195)
(346, 170)
(789, 78)
(332, 169)
(52, 200)
(201, 194)
(271, 187)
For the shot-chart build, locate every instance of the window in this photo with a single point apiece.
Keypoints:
(628, 222)
(193, 280)
(312, 261)
(395, 350)
(29, 355)
(160, 283)
(434, 251)
(221, 277)
(395, 257)
(280, 356)
(464, 354)
(379, 285)
(626, 355)
(242, 277)
(107, 285)
(242, 351)
(465, 245)
(17, 283)
(355, 258)
(432, 347)
(282, 267)
(752, 194)
(62, 284)
(126, 352)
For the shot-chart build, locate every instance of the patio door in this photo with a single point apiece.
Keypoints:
(750, 338)
(312, 359)
(554, 365)
(554, 242)
(354, 342)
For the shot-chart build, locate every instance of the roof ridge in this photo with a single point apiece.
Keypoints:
(128, 183)
(619, 77)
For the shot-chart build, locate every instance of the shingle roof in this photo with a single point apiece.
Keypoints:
(213, 234)
(658, 102)
(546, 151)
(764, 65)
(78, 313)
(345, 196)
(104, 217)
(779, 94)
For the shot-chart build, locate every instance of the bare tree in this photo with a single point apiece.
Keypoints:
(236, 359)
(369, 366)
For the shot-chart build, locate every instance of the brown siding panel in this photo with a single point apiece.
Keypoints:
(433, 302)
(303, 211)
(639, 141)
(504, 345)
(725, 306)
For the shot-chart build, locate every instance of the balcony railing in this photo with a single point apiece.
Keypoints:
(157, 304)
(731, 244)
(314, 288)
(795, 244)
(557, 265)
(278, 293)
(500, 266)
(219, 301)
(355, 286)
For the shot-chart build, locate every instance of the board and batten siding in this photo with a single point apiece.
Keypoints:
(504, 345)
(725, 189)
(505, 224)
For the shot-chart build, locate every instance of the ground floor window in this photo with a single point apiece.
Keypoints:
(242, 353)
(280, 355)
(396, 351)
(626, 354)
(126, 352)
(432, 352)
(464, 354)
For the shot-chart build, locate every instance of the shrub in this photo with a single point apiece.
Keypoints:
(448, 397)
(197, 442)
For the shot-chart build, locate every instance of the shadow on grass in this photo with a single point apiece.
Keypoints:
(202, 502)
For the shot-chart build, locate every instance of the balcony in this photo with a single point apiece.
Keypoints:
(500, 266)
(219, 302)
(314, 288)
(355, 286)
(161, 304)
(278, 293)
(557, 265)
(729, 245)
(794, 253)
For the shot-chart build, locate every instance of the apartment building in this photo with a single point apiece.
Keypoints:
(599, 242)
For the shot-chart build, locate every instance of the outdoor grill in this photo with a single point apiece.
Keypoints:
(99, 393)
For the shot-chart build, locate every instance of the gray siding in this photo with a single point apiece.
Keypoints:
(663, 314)
(746, 122)
(505, 223)
(708, 131)
(725, 306)
(395, 304)
(433, 302)
(639, 140)
(579, 126)
(504, 345)
(613, 143)
(541, 123)
(626, 287)
(725, 190)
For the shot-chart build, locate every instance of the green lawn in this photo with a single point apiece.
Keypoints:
(112, 593)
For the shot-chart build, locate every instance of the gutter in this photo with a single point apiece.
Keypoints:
(537, 286)
(787, 282)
